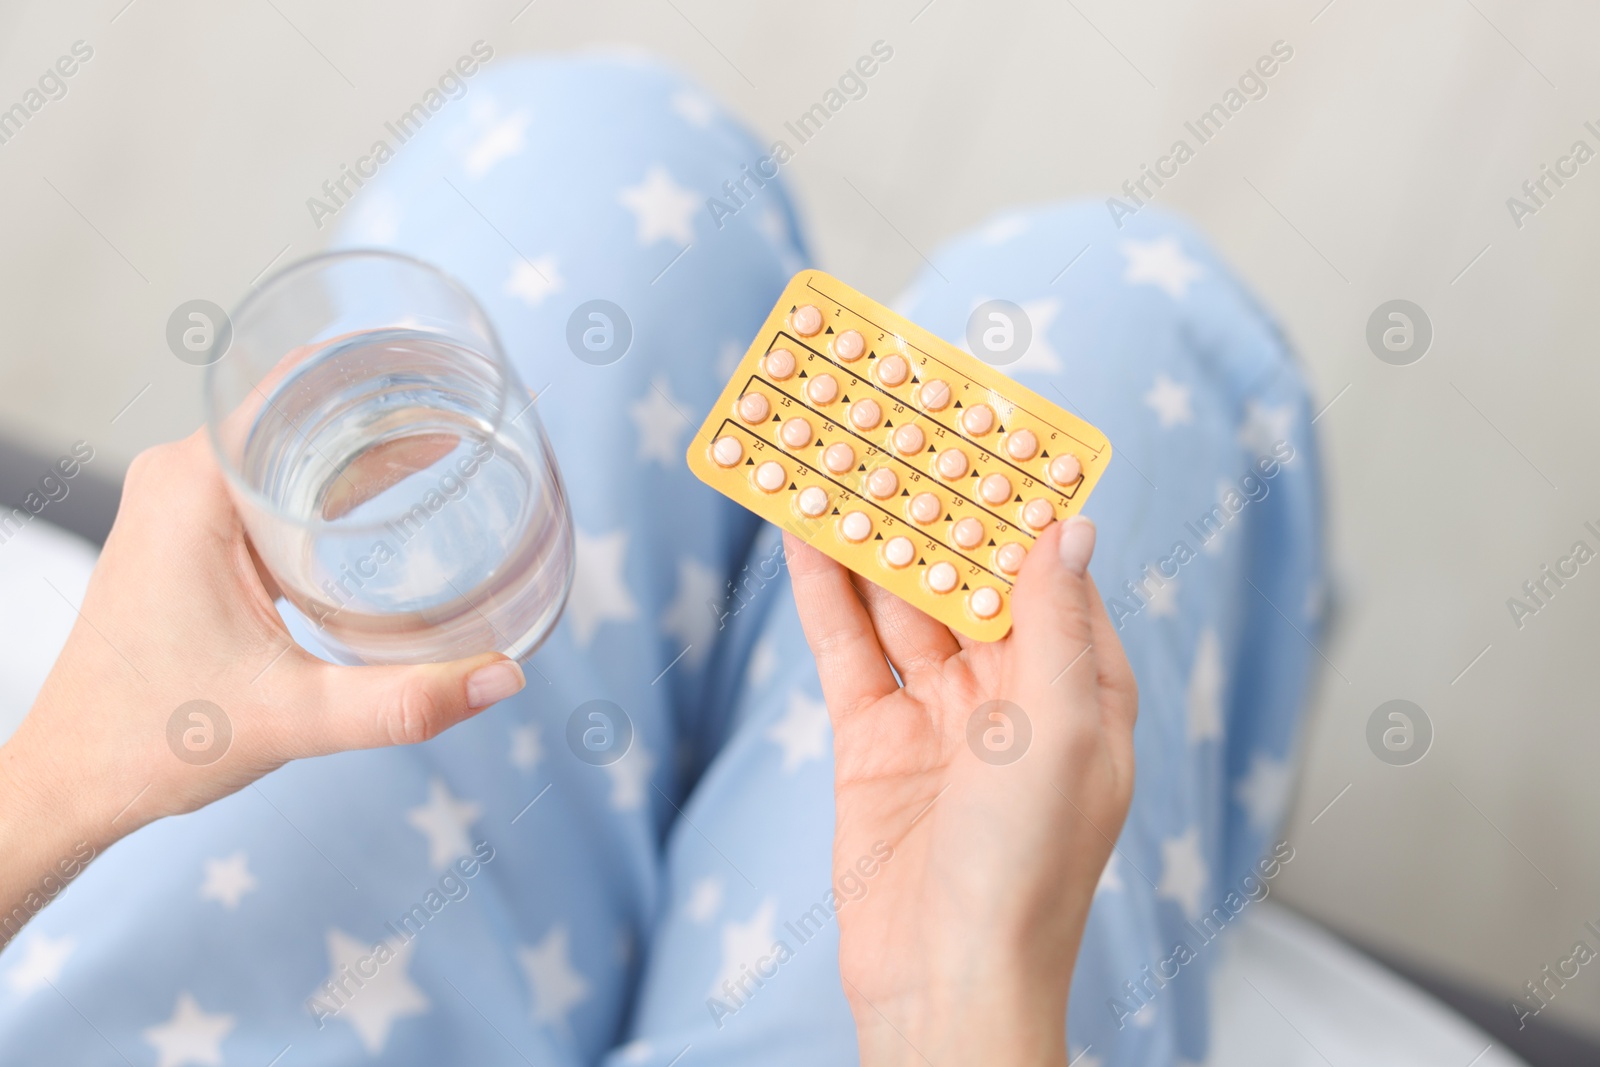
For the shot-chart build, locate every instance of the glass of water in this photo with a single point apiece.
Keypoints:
(389, 467)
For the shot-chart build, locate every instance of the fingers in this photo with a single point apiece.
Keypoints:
(370, 707)
(912, 639)
(850, 661)
(1051, 612)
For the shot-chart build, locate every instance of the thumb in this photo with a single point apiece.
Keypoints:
(1052, 608)
(370, 707)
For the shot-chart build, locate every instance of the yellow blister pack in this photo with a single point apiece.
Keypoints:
(909, 461)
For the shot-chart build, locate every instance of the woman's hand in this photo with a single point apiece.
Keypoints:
(961, 948)
(180, 610)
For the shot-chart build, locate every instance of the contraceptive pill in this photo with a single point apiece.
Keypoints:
(855, 526)
(902, 457)
(796, 432)
(839, 457)
(754, 408)
(909, 439)
(779, 364)
(849, 345)
(823, 389)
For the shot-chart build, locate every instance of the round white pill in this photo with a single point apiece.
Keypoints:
(839, 457)
(779, 364)
(952, 463)
(769, 476)
(727, 451)
(855, 526)
(984, 602)
(934, 395)
(924, 508)
(882, 483)
(978, 419)
(899, 551)
(812, 501)
(967, 533)
(796, 433)
(942, 577)
(865, 414)
(1064, 470)
(1009, 557)
(849, 346)
(806, 320)
(753, 408)
(1022, 444)
(893, 370)
(995, 489)
(822, 389)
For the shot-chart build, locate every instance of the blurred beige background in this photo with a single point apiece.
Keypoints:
(178, 164)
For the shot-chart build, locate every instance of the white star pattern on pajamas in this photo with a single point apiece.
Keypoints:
(1264, 792)
(1170, 401)
(1163, 599)
(743, 944)
(705, 900)
(638, 1051)
(1040, 357)
(802, 732)
(599, 592)
(374, 1005)
(763, 660)
(190, 1036)
(689, 617)
(41, 963)
(526, 748)
(228, 880)
(556, 988)
(661, 207)
(1160, 263)
(1204, 694)
(1265, 426)
(533, 280)
(1110, 878)
(444, 821)
(1004, 229)
(1183, 872)
(659, 418)
(694, 108)
(502, 140)
(629, 776)
(376, 219)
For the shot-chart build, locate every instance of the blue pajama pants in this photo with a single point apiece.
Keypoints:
(488, 897)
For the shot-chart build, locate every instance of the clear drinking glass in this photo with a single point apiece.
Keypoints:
(390, 468)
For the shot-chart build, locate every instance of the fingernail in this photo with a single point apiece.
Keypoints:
(1077, 544)
(494, 682)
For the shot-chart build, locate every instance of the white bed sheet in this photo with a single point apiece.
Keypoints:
(1289, 994)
